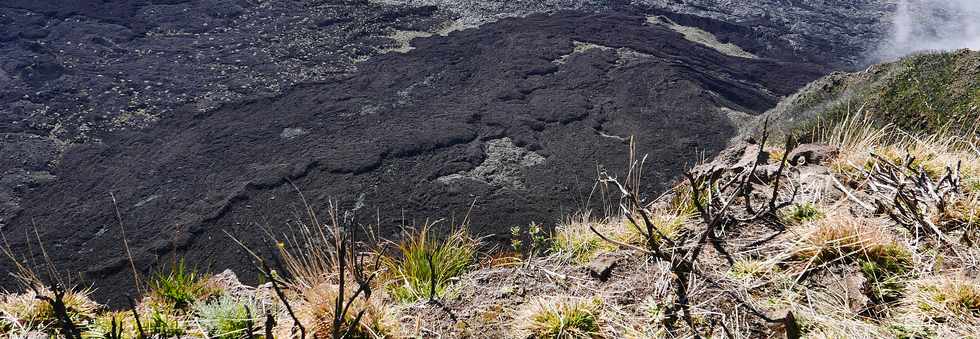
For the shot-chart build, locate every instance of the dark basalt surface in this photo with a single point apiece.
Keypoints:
(390, 133)
(74, 72)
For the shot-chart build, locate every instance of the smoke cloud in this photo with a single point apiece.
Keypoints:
(930, 25)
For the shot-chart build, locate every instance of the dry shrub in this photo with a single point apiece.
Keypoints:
(311, 255)
(858, 138)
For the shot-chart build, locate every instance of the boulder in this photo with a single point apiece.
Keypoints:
(812, 154)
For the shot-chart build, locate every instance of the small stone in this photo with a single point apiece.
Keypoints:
(602, 266)
(856, 298)
(764, 174)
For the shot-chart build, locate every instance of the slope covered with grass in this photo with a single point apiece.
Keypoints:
(919, 93)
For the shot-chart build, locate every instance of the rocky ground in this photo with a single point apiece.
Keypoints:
(197, 115)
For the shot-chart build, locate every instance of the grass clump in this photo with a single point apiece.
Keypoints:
(943, 306)
(886, 273)
(425, 267)
(163, 324)
(181, 287)
(950, 298)
(802, 213)
(750, 269)
(227, 317)
(963, 212)
(843, 236)
(24, 312)
(112, 324)
(316, 307)
(561, 317)
(574, 240)
(859, 139)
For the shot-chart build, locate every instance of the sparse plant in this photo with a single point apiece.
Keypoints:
(516, 243)
(538, 239)
(424, 267)
(750, 269)
(561, 318)
(536, 236)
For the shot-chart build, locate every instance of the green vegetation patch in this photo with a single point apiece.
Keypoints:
(424, 267)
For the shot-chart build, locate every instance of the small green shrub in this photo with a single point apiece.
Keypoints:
(536, 235)
(227, 317)
(801, 213)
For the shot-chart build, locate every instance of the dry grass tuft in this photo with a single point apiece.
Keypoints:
(825, 314)
(840, 236)
(316, 306)
(940, 307)
(858, 138)
(963, 212)
(748, 269)
(573, 239)
(954, 297)
(24, 312)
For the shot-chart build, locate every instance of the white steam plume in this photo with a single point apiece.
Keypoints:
(929, 25)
